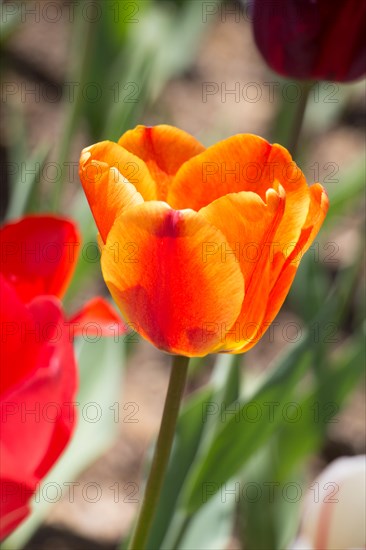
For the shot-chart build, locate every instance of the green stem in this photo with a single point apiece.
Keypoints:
(290, 119)
(163, 448)
(299, 116)
(226, 381)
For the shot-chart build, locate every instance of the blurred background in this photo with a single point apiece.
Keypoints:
(74, 73)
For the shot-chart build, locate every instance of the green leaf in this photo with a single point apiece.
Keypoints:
(240, 436)
(25, 184)
(348, 190)
(270, 521)
(319, 407)
(24, 169)
(211, 527)
(311, 284)
(226, 378)
(267, 513)
(10, 20)
(88, 265)
(160, 47)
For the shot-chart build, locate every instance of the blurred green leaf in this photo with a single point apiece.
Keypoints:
(88, 265)
(319, 407)
(270, 520)
(226, 378)
(108, 68)
(25, 184)
(211, 527)
(24, 169)
(267, 516)
(9, 20)
(80, 45)
(163, 45)
(309, 288)
(313, 282)
(349, 188)
(226, 381)
(238, 439)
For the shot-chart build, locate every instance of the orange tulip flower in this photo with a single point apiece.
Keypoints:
(199, 246)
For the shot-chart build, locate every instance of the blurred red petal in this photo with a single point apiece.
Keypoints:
(97, 318)
(18, 352)
(13, 508)
(37, 409)
(39, 255)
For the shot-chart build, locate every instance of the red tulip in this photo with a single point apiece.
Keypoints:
(312, 39)
(38, 371)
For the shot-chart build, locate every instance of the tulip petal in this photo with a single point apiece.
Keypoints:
(14, 508)
(39, 255)
(52, 382)
(289, 175)
(38, 413)
(56, 376)
(319, 204)
(249, 225)
(284, 267)
(113, 180)
(243, 162)
(164, 270)
(18, 337)
(97, 318)
(164, 149)
(230, 166)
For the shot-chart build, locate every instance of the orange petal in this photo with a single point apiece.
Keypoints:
(284, 171)
(283, 269)
(319, 204)
(164, 149)
(249, 225)
(233, 165)
(113, 180)
(243, 163)
(164, 270)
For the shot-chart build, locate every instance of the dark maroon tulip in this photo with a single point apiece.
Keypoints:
(312, 39)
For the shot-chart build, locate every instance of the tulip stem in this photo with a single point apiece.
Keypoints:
(290, 118)
(299, 116)
(162, 452)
